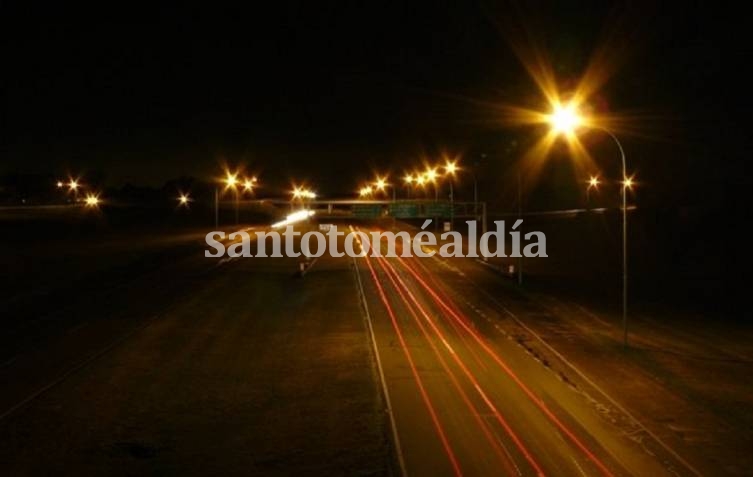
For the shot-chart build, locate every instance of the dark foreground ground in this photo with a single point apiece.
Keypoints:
(189, 366)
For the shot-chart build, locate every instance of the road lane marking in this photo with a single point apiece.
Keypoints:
(383, 381)
(583, 376)
(488, 432)
(506, 368)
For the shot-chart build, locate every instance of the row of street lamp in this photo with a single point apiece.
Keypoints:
(73, 186)
(431, 175)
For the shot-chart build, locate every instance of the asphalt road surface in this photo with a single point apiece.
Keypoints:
(466, 400)
(240, 367)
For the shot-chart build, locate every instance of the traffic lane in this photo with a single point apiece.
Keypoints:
(257, 373)
(573, 406)
(443, 433)
(522, 440)
(543, 442)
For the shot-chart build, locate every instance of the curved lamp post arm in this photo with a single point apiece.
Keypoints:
(624, 236)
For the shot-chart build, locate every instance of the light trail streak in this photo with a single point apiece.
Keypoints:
(531, 395)
(419, 382)
(496, 445)
(471, 349)
(498, 416)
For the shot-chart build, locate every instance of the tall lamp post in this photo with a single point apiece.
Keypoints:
(431, 176)
(451, 168)
(565, 119)
(593, 183)
(231, 182)
(381, 184)
(409, 180)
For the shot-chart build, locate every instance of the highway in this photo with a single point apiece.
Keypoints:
(367, 365)
(466, 400)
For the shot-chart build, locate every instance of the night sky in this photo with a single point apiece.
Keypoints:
(330, 92)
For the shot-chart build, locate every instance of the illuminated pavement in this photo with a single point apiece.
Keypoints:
(238, 366)
(466, 400)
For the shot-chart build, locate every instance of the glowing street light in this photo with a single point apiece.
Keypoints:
(381, 184)
(73, 185)
(451, 167)
(431, 174)
(248, 185)
(593, 183)
(409, 179)
(92, 200)
(184, 199)
(565, 119)
(231, 180)
(301, 193)
(60, 184)
(365, 191)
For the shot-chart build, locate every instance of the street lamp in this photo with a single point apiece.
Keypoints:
(451, 168)
(431, 176)
(231, 181)
(248, 185)
(365, 191)
(593, 183)
(381, 184)
(74, 186)
(421, 181)
(409, 179)
(183, 200)
(92, 200)
(565, 119)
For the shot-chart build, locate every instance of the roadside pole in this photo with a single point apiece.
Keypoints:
(216, 208)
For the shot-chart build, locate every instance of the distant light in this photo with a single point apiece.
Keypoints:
(300, 193)
(421, 180)
(60, 184)
(409, 179)
(593, 182)
(293, 218)
(73, 184)
(231, 180)
(431, 174)
(628, 182)
(92, 200)
(451, 167)
(381, 184)
(184, 199)
(248, 185)
(564, 119)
